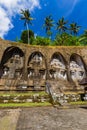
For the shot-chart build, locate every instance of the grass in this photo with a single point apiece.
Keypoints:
(23, 95)
(24, 104)
(79, 103)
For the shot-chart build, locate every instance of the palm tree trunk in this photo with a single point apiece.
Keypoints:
(28, 33)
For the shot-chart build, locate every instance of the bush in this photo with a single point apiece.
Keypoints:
(24, 36)
(41, 41)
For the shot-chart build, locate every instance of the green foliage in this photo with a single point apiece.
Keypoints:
(74, 28)
(75, 41)
(24, 36)
(18, 40)
(61, 25)
(67, 33)
(62, 39)
(48, 24)
(26, 16)
(83, 38)
(41, 41)
(66, 39)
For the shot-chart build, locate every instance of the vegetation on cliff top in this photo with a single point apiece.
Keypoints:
(59, 33)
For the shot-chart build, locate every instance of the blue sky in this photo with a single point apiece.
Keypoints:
(11, 26)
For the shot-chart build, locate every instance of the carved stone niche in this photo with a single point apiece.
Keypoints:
(77, 69)
(12, 63)
(36, 70)
(57, 69)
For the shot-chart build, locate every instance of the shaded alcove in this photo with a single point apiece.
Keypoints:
(58, 68)
(36, 69)
(11, 65)
(77, 68)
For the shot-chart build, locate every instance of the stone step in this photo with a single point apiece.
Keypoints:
(23, 98)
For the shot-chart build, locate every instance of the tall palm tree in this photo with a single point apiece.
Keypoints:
(61, 25)
(26, 16)
(74, 28)
(48, 24)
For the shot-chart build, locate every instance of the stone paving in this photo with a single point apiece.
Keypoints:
(43, 118)
(9, 118)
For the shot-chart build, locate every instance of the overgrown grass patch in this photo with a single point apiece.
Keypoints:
(79, 103)
(24, 104)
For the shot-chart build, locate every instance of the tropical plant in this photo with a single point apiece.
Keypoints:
(26, 16)
(74, 41)
(42, 41)
(61, 25)
(48, 24)
(62, 39)
(66, 39)
(85, 33)
(83, 38)
(74, 28)
(24, 35)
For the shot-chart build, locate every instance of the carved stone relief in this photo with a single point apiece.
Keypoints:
(77, 69)
(12, 63)
(36, 69)
(58, 68)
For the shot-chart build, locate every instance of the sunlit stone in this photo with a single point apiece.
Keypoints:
(60, 69)
(77, 72)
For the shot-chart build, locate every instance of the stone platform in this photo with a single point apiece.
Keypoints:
(43, 118)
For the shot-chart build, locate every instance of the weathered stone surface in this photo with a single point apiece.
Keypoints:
(9, 118)
(45, 69)
(48, 118)
(43, 118)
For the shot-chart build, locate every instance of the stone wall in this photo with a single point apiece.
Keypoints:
(23, 97)
(47, 51)
(40, 71)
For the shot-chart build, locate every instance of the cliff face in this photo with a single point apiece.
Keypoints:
(31, 66)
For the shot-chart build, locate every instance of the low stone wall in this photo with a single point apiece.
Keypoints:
(38, 98)
(19, 98)
(67, 98)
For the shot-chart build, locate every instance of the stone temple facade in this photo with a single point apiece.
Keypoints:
(25, 67)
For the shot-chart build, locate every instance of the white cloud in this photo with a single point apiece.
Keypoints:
(9, 9)
(5, 23)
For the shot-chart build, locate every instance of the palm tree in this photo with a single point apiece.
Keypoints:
(61, 25)
(48, 24)
(74, 28)
(26, 16)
